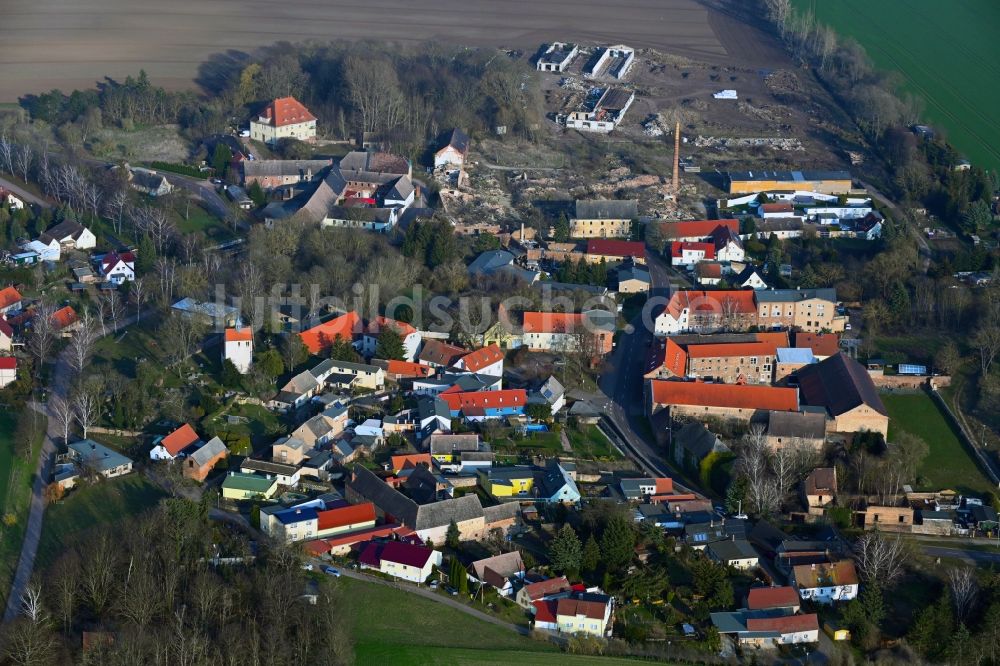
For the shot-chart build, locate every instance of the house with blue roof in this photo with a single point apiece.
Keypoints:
(89, 455)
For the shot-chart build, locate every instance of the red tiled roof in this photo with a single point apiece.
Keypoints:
(408, 369)
(239, 335)
(733, 396)
(464, 401)
(351, 514)
(664, 485)
(64, 317)
(482, 358)
(543, 588)
(552, 322)
(5, 329)
(8, 363)
(677, 249)
(545, 610)
(697, 228)
(321, 337)
(675, 358)
(287, 111)
(441, 353)
(407, 554)
(179, 439)
(9, 297)
(786, 624)
(733, 301)
(777, 207)
(821, 344)
(375, 326)
(616, 248)
(593, 610)
(411, 460)
(317, 547)
(778, 339)
(111, 260)
(762, 598)
(729, 349)
(710, 269)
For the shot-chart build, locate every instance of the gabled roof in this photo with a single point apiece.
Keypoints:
(8, 297)
(577, 606)
(733, 396)
(441, 353)
(342, 516)
(722, 301)
(65, 229)
(730, 349)
(320, 337)
(205, 454)
(839, 384)
(481, 358)
(545, 610)
(841, 572)
(821, 481)
(179, 439)
(411, 460)
(239, 335)
(112, 259)
(607, 209)
(709, 269)
(552, 322)
(544, 588)
(764, 598)
(802, 425)
(821, 344)
(616, 248)
(795, 295)
(697, 228)
(287, 111)
(782, 207)
(374, 326)
(458, 140)
(5, 329)
(784, 624)
(446, 444)
(677, 249)
(503, 565)
(64, 317)
(485, 399)
(8, 363)
(406, 368)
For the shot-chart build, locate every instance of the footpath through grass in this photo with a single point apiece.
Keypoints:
(391, 626)
(17, 474)
(949, 464)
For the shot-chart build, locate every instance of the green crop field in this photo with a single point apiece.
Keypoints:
(947, 54)
(948, 465)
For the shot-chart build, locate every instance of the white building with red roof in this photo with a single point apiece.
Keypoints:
(6, 336)
(171, 446)
(10, 300)
(118, 268)
(408, 334)
(237, 347)
(483, 361)
(8, 370)
(284, 118)
(400, 560)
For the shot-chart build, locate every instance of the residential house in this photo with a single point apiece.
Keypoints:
(590, 332)
(551, 393)
(447, 448)
(318, 430)
(692, 442)
(556, 485)
(316, 519)
(49, 250)
(822, 345)
(601, 218)
(434, 416)
(320, 338)
(732, 363)
(70, 235)
(410, 337)
(544, 589)
(11, 200)
(149, 182)
(399, 370)
(290, 450)
(215, 315)
(635, 490)
(175, 443)
(708, 273)
(453, 154)
(728, 246)
(99, 459)
(440, 354)
(784, 599)
(296, 393)
(666, 360)
(806, 428)
(614, 251)
(753, 182)
(707, 312)
(782, 209)
(810, 310)
(285, 475)
(400, 560)
(749, 278)
(486, 360)
(363, 375)
(65, 321)
(889, 518)
(6, 336)
(735, 553)
(10, 300)
(585, 613)
(696, 230)
(272, 174)
(8, 367)
(726, 401)
(516, 481)
(244, 486)
(410, 461)
(284, 118)
(760, 629)
(632, 279)
(118, 268)
(237, 348)
(501, 262)
(199, 464)
(842, 387)
(826, 582)
(690, 253)
(484, 405)
(501, 572)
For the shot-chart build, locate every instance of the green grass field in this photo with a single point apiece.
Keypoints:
(89, 506)
(948, 465)
(392, 626)
(591, 443)
(946, 53)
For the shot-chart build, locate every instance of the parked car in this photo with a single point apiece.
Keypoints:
(308, 567)
(452, 591)
(434, 585)
(331, 572)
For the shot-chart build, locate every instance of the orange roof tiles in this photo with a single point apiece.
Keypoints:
(777, 207)
(179, 439)
(778, 339)
(345, 515)
(9, 297)
(821, 344)
(732, 301)
(664, 485)
(482, 358)
(239, 335)
(677, 249)
(616, 248)
(710, 269)
(543, 588)
(287, 111)
(569, 606)
(5, 329)
(697, 228)
(408, 369)
(675, 358)
(552, 322)
(321, 337)
(729, 349)
(732, 396)
(786, 624)
(485, 399)
(64, 317)
(762, 598)
(410, 460)
(375, 326)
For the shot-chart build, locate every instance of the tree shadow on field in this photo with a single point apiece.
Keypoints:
(215, 74)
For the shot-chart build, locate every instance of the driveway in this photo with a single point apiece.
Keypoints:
(24, 194)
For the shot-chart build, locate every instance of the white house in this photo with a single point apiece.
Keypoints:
(454, 153)
(238, 348)
(826, 583)
(284, 118)
(12, 200)
(8, 369)
(369, 338)
(687, 253)
(6, 336)
(728, 246)
(118, 268)
(401, 560)
(46, 250)
(70, 235)
(485, 361)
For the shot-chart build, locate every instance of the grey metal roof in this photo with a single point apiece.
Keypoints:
(839, 384)
(733, 549)
(98, 456)
(267, 467)
(788, 176)
(212, 448)
(802, 425)
(443, 444)
(303, 169)
(401, 189)
(795, 295)
(607, 209)
(490, 262)
(695, 438)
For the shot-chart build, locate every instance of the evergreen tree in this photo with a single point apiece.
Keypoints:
(343, 350)
(270, 363)
(145, 255)
(560, 231)
(591, 558)
(565, 551)
(390, 345)
(256, 194)
(617, 543)
(221, 159)
(231, 377)
(453, 537)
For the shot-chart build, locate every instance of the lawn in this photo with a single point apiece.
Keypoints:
(949, 464)
(89, 506)
(945, 53)
(121, 351)
(16, 478)
(200, 219)
(591, 443)
(392, 626)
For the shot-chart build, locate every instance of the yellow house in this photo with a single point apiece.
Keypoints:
(825, 182)
(499, 334)
(584, 614)
(241, 486)
(508, 481)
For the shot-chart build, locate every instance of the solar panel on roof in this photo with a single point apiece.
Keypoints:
(908, 369)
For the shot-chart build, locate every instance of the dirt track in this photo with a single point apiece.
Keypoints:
(59, 44)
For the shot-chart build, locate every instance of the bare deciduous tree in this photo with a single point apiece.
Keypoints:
(880, 558)
(61, 411)
(85, 409)
(753, 464)
(25, 158)
(81, 345)
(113, 307)
(138, 292)
(42, 334)
(964, 589)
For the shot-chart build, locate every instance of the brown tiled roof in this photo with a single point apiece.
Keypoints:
(763, 598)
(287, 111)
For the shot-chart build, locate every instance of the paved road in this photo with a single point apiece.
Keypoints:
(973, 556)
(24, 194)
(883, 200)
